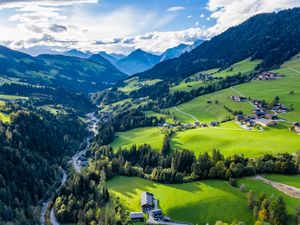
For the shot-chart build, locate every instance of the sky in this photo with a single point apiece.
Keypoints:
(121, 26)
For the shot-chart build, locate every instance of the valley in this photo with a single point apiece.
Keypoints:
(199, 132)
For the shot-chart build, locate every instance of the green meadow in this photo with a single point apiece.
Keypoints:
(183, 86)
(198, 202)
(243, 67)
(210, 107)
(139, 136)
(4, 117)
(12, 97)
(134, 84)
(159, 115)
(265, 90)
(231, 139)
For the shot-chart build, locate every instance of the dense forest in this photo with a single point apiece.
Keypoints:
(32, 147)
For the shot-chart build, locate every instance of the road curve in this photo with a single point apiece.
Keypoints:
(190, 115)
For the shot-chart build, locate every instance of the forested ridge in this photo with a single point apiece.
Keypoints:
(32, 147)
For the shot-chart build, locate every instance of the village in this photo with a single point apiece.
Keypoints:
(149, 206)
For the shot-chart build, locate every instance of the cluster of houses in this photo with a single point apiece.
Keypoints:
(261, 118)
(189, 126)
(269, 76)
(148, 205)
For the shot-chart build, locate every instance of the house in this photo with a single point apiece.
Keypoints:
(214, 124)
(204, 125)
(268, 76)
(137, 216)
(147, 202)
(258, 103)
(238, 98)
(239, 118)
(297, 128)
(197, 123)
(265, 123)
(259, 113)
(157, 214)
(271, 117)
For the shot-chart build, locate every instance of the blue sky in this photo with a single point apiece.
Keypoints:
(122, 25)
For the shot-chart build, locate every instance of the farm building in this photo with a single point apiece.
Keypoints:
(271, 117)
(268, 76)
(265, 123)
(137, 216)
(238, 98)
(259, 113)
(157, 214)
(297, 128)
(147, 202)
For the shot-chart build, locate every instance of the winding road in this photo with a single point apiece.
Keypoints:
(190, 115)
(92, 127)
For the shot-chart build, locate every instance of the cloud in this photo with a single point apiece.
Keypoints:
(189, 17)
(22, 3)
(175, 9)
(202, 15)
(233, 12)
(56, 28)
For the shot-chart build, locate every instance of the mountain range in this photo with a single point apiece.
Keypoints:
(76, 74)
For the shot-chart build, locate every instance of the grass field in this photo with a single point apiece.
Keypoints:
(266, 90)
(243, 67)
(139, 136)
(159, 115)
(207, 112)
(134, 84)
(197, 202)
(183, 86)
(230, 138)
(12, 97)
(4, 117)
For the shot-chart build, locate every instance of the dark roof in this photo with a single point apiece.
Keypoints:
(136, 215)
(146, 198)
(157, 212)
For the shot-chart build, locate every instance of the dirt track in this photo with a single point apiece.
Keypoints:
(284, 188)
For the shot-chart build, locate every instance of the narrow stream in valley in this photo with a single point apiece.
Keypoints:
(92, 127)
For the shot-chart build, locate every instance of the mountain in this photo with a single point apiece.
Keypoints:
(193, 46)
(97, 58)
(77, 53)
(117, 56)
(173, 52)
(137, 61)
(272, 37)
(108, 57)
(72, 73)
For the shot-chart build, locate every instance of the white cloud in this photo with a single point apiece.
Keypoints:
(175, 9)
(189, 17)
(202, 15)
(233, 12)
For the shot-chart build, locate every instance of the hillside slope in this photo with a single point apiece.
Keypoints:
(273, 37)
(73, 73)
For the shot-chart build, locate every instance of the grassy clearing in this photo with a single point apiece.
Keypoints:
(232, 139)
(12, 97)
(207, 112)
(159, 115)
(139, 136)
(243, 67)
(5, 118)
(191, 202)
(289, 180)
(134, 84)
(183, 86)
(51, 109)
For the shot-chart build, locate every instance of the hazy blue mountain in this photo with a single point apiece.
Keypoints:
(137, 61)
(193, 46)
(109, 57)
(173, 52)
(77, 53)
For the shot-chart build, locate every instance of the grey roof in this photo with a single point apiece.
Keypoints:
(136, 215)
(157, 212)
(146, 198)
